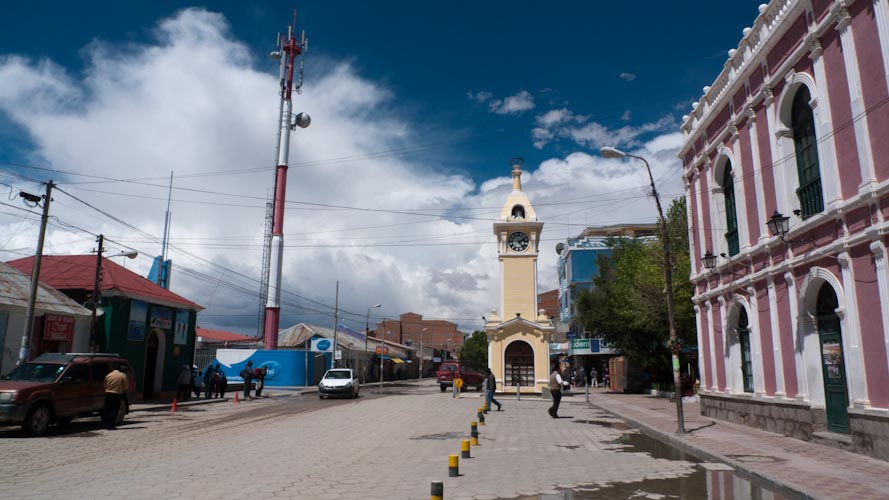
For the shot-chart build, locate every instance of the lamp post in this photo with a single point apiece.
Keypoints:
(421, 353)
(668, 283)
(96, 298)
(367, 334)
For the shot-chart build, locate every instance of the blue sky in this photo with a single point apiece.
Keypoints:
(417, 107)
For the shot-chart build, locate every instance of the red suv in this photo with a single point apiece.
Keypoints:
(450, 369)
(56, 388)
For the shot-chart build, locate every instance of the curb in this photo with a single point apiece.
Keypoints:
(686, 446)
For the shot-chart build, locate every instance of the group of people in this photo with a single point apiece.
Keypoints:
(579, 377)
(556, 383)
(211, 382)
(250, 374)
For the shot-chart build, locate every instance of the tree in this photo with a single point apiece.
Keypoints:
(474, 352)
(627, 306)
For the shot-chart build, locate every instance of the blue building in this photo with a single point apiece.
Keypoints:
(578, 267)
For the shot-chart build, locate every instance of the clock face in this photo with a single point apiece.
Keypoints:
(518, 241)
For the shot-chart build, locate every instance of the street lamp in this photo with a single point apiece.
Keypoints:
(96, 298)
(668, 282)
(421, 353)
(367, 334)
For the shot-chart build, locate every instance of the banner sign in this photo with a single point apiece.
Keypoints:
(58, 327)
(580, 347)
(322, 345)
(161, 317)
(180, 334)
(136, 325)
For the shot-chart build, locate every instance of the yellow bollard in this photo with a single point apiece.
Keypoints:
(481, 417)
(474, 434)
(453, 465)
(437, 491)
(464, 449)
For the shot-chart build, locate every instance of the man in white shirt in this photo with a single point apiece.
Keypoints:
(555, 387)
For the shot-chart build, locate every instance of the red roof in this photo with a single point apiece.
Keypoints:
(78, 272)
(221, 336)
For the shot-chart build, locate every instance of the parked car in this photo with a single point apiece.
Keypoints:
(447, 370)
(56, 388)
(338, 382)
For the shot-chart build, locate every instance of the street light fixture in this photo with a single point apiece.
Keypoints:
(367, 334)
(607, 152)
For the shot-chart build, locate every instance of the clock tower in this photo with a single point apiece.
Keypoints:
(519, 336)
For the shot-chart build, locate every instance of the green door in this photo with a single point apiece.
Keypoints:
(835, 393)
(746, 359)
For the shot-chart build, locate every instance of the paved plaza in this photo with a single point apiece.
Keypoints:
(392, 447)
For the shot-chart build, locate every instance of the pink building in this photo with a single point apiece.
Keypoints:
(793, 329)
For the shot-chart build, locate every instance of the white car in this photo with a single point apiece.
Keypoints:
(338, 382)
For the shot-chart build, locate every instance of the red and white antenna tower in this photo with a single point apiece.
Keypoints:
(287, 51)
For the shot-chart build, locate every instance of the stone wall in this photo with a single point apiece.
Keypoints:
(870, 432)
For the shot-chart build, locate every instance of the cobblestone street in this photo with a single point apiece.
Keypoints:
(297, 447)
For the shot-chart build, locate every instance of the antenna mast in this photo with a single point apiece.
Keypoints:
(288, 49)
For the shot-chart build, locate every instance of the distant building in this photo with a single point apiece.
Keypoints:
(786, 163)
(410, 328)
(150, 326)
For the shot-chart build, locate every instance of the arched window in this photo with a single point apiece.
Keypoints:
(519, 364)
(518, 212)
(731, 217)
(746, 359)
(805, 144)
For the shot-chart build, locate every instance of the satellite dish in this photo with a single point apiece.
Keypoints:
(559, 248)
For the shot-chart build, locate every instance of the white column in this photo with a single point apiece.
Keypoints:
(690, 221)
(714, 384)
(759, 387)
(799, 362)
(700, 334)
(756, 167)
(699, 206)
(851, 332)
(776, 338)
(879, 251)
(881, 13)
(726, 352)
(738, 170)
(820, 103)
(853, 76)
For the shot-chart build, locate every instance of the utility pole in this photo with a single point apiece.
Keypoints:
(336, 312)
(287, 51)
(97, 297)
(25, 351)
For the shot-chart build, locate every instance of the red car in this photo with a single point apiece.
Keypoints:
(449, 369)
(56, 388)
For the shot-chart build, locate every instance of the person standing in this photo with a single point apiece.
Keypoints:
(555, 388)
(594, 377)
(490, 387)
(223, 382)
(184, 384)
(116, 384)
(209, 382)
(199, 384)
(247, 375)
(259, 373)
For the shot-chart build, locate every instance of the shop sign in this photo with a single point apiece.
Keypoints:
(58, 327)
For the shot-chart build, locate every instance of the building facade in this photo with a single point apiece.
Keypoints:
(518, 344)
(786, 164)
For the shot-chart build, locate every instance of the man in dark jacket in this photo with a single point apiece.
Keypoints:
(247, 375)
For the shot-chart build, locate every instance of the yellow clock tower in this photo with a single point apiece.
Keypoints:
(518, 338)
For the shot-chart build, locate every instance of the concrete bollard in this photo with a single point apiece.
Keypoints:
(437, 491)
(464, 449)
(453, 465)
(518, 393)
(481, 417)
(587, 393)
(473, 434)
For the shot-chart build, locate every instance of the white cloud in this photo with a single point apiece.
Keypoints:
(480, 96)
(513, 105)
(562, 123)
(195, 101)
(627, 76)
(627, 116)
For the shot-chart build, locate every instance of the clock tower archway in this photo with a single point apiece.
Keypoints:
(518, 334)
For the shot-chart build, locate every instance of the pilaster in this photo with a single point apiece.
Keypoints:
(776, 338)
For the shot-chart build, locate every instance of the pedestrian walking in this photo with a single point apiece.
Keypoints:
(606, 379)
(199, 384)
(555, 388)
(594, 377)
(259, 374)
(223, 382)
(184, 384)
(247, 375)
(116, 384)
(490, 387)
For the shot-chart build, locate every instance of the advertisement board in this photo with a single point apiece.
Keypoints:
(136, 325)
(57, 327)
(284, 368)
(180, 334)
(322, 345)
(161, 317)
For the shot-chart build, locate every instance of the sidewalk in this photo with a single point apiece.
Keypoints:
(814, 470)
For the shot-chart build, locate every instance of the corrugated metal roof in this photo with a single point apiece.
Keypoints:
(208, 335)
(78, 272)
(296, 336)
(15, 289)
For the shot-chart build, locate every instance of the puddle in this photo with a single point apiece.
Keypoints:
(708, 481)
(442, 436)
(617, 424)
